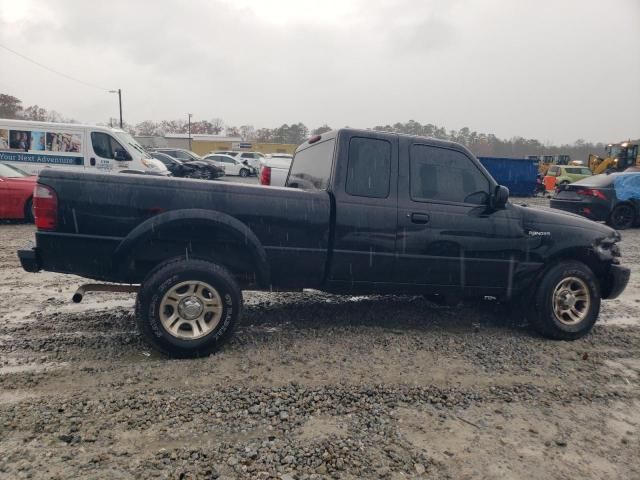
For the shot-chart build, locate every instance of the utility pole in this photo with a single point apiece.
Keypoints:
(119, 92)
(189, 127)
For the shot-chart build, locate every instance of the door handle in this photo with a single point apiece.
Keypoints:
(419, 218)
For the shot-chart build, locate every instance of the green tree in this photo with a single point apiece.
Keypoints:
(10, 106)
(320, 130)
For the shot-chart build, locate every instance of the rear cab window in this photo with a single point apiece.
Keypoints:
(311, 167)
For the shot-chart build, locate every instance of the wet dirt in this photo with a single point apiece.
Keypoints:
(313, 386)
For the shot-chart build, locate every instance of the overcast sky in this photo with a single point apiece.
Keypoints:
(556, 70)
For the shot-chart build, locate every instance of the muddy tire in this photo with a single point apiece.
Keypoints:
(567, 302)
(188, 308)
(622, 217)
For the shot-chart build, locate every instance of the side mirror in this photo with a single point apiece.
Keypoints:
(499, 198)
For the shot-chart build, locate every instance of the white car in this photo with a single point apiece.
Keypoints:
(274, 169)
(252, 158)
(231, 165)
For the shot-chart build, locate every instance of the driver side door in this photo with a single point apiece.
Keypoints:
(108, 153)
(447, 237)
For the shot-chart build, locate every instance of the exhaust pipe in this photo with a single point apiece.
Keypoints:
(102, 287)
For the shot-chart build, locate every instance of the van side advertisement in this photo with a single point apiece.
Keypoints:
(40, 147)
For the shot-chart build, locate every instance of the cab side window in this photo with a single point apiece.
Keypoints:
(105, 146)
(442, 174)
(101, 144)
(369, 168)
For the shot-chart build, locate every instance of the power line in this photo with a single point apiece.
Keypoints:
(69, 77)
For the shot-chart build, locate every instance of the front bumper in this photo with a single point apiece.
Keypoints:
(616, 282)
(30, 260)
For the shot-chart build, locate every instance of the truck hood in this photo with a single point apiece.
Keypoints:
(537, 218)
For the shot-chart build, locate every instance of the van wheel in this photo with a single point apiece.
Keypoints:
(188, 308)
(621, 217)
(567, 301)
(28, 211)
(244, 172)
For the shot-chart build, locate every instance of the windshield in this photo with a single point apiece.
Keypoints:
(613, 151)
(124, 137)
(8, 171)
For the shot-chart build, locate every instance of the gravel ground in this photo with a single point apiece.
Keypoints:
(313, 386)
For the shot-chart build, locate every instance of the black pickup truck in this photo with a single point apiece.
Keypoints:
(362, 212)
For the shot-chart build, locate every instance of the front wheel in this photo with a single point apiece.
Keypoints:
(567, 301)
(621, 217)
(188, 308)
(244, 172)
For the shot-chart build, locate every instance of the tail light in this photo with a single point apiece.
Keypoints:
(591, 192)
(265, 175)
(45, 207)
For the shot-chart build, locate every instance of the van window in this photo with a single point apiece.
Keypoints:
(106, 146)
(369, 168)
(446, 175)
(311, 167)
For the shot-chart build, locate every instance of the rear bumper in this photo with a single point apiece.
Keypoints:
(84, 255)
(597, 211)
(617, 280)
(30, 260)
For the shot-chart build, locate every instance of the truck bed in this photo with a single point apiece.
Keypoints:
(98, 216)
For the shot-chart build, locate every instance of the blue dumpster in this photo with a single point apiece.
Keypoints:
(517, 174)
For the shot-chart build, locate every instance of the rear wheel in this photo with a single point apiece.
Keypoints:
(28, 211)
(188, 308)
(567, 301)
(621, 217)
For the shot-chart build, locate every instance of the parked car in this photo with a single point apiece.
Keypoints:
(364, 212)
(16, 192)
(186, 156)
(179, 153)
(613, 198)
(191, 168)
(568, 174)
(274, 169)
(248, 158)
(231, 165)
(252, 158)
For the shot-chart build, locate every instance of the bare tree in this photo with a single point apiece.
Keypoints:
(217, 126)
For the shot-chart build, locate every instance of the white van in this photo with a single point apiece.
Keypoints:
(32, 146)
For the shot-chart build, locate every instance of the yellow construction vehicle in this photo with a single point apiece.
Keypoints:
(545, 161)
(620, 156)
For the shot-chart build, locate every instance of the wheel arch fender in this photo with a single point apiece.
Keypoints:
(153, 227)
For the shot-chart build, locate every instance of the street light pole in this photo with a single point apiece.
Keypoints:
(189, 127)
(119, 92)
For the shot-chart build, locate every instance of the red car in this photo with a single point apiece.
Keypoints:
(16, 191)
